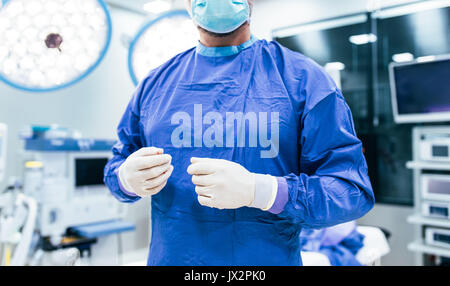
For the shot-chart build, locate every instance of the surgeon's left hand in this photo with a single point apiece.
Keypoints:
(224, 184)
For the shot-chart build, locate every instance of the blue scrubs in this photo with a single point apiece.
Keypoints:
(320, 157)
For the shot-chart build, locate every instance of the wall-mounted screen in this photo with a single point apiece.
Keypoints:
(405, 34)
(421, 91)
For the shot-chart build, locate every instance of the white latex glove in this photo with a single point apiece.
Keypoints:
(146, 171)
(224, 184)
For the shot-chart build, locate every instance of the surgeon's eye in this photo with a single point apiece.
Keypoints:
(54, 41)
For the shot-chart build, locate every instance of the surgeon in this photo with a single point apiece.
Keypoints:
(240, 143)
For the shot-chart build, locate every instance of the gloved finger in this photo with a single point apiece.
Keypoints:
(204, 160)
(148, 162)
(148, 151)
(202, 168)
(144, 194)
(203, 191)
(154, 172)
(154, 191)
(204, 180)
(205, 201)
(154, 183)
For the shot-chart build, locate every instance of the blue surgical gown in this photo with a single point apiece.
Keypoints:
(319, 155)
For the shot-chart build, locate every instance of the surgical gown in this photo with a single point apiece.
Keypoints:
(319, 156)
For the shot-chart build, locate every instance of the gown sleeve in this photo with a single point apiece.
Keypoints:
(129, 142)
(333, 186)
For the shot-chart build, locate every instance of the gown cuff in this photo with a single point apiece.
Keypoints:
(264, 192)
(122, 188)
(282, 196)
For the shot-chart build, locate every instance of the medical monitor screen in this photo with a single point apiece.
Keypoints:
(423, 89)
(89, 172)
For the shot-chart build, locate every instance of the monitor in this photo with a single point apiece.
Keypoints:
(420, 90)
(89, 171)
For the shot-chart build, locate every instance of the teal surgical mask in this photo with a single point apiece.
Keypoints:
(220, 16)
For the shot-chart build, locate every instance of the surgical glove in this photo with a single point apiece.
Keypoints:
(145, 172)
(224, 184)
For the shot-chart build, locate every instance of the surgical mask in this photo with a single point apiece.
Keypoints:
(220, 16)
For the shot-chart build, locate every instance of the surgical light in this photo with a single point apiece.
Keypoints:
(426, 59)
(158, 41)
(403, 57)
(157, 6)
(46, 45)
(363, 39)
(336, 66)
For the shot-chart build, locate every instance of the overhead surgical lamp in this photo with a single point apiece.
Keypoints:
(157, 6)
(47, 45)
(158, 41)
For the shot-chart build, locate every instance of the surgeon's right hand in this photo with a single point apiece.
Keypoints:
(146, 172)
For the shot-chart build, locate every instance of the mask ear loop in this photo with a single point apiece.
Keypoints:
(250, 6)
(188, 7)
(250, 11)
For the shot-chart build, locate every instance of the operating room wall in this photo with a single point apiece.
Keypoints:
(93, 106)
(269, 15)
